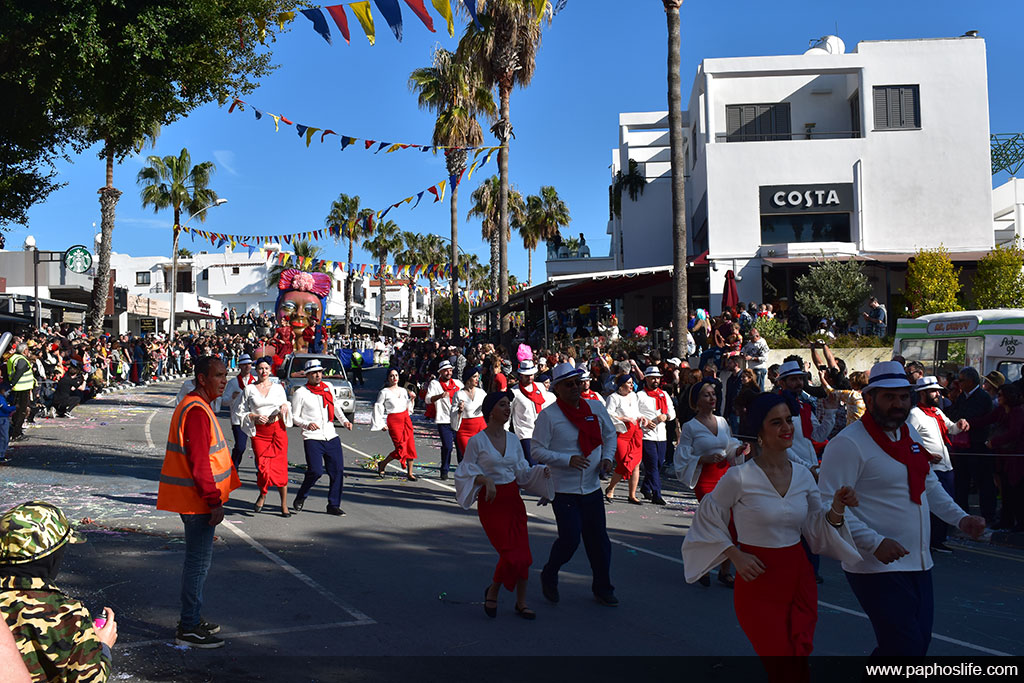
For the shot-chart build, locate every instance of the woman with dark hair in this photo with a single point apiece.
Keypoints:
(467, 415)
(264, 412)
(491, 473)
(624, 408)
(772, 505)
(392, 411)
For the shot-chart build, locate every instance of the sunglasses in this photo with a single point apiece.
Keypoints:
(570, 382)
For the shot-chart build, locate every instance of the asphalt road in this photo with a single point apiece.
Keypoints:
(317, 597)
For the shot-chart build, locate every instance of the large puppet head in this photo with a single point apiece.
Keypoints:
(302, 299)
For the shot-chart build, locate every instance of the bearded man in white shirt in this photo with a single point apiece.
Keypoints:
(656, 407)
(440, 393)
(576, 439)
(528, 400)
(313, 411)
(882, 458)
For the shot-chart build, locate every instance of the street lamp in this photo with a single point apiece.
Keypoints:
(174, 260)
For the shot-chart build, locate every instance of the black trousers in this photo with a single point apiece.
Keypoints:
(981, 470)
(581, 516)
(20, 400)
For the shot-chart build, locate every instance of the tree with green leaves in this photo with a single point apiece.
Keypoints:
(505, 52)
(546, 214)
(486, 207)
(933, 283)
(832, 289)
(303, 249)
(410, 255)
(633, 182)
(387, 240)
(678, 155)
(452, 88)
(184, 253)
(355, 225)
(999, 282)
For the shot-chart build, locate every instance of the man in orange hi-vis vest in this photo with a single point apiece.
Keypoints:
(196, 480)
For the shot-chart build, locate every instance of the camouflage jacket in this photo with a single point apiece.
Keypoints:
(53, 631)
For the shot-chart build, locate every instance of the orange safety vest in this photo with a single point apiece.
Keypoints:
(177, 491)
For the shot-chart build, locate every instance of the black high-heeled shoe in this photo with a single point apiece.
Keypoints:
(492, 612)
(526, 613)
(257, 507)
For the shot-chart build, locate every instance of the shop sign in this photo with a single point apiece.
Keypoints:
(204, 305)
(953, 326)
(823, 198)
(77, 259)
(147, 325)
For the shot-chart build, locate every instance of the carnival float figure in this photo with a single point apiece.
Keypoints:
(301, 302)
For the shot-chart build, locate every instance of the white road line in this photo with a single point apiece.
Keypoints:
(249, 634)
(677, 560)
(148, 432)
(356, 614)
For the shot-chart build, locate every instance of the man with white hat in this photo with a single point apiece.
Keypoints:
(792, 379)
(313, 410)
(235, 393)
(440, 393)
(576, 439)
(657, 409)
(882, 458)
(528, 400)
(935, 429)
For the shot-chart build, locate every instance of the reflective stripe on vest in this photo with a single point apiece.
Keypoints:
(27, 380)
(177, 491)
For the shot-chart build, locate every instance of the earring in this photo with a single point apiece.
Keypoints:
(759, 441)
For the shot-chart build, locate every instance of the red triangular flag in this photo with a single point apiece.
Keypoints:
(420, 11)
(337, 13)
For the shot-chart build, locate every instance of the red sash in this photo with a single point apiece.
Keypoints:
(807, 428)
(590, 395)
(660, 400)
(934, 414)
(905, 451)
(536, 396)
(323, 390)
(584, 420)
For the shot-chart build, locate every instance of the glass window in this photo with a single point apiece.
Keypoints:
(1010, 369)
(921, 350)
(950, 355)
(816, 227)
(235, 270)
(142, 277)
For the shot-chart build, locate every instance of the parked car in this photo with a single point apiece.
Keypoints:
(293, 376)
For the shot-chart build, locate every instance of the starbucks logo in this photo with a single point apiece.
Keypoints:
(77, 259)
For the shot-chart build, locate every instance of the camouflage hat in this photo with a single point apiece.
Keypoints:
(33, 530)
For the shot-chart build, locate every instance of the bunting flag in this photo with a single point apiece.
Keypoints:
(420, 11)
(337, 13)
(392, 14)
(346, 140)
(444, 8)
(362, 12)
(471, 7)
(319, 23)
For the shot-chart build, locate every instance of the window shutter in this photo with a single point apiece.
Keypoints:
(748, 115)
(881, 109)
(909, 106)
(855, 115)
(895, 115)
(783, 126)
(733, 122)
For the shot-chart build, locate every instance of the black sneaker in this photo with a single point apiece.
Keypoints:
(197, 637)
(607, 599)
(209, 626)
(298, 503)
(549, 590)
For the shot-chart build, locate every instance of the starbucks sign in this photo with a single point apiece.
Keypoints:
(77, 259)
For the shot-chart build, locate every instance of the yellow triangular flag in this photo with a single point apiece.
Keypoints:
(444, 8)
(309, 135)
(393, 147)
(441, 186)
(277, 122)
(362, 12)
(538, 7)
(472, 168)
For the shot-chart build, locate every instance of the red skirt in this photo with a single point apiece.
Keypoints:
(779, 609)
(468, 428)
(400, 431)
(504, 522)
(710, 474)
(629, 451)
(270, 444)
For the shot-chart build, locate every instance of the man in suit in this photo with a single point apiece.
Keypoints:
(973, 403)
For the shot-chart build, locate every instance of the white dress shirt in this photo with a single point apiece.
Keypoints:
(389, 400)
(931, 437)
(482, 458)
(763, 518)
(852, 458)
(696, 440)
(524, 411)
(308, 408)
(235, 392)
(624, 406)
(802, 451)
(443, 406)
(556, 440)
(649, 409)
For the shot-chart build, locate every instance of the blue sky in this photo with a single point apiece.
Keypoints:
(598, 58)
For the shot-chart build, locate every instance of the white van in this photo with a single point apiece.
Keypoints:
(986, 340)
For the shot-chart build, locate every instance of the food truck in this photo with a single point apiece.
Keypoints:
(986, 340)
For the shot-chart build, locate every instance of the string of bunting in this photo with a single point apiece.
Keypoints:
(321, 17)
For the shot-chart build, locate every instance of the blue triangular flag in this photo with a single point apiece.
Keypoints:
(259, 114)
(345, 142)
(301, 129)
(418, 198)
(319, 22)
(471, 6)
(382, 146)
(392, 14)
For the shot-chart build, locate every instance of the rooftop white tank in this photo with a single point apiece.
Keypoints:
(827, 45)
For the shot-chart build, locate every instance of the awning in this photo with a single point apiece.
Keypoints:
(870, 257)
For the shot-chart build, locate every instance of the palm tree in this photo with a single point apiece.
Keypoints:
(675, 135)
(452, 88)
(171, 182)
(505, 52)
(303, 249)
(411, 255)
(486, 208)
(184, 253)
(545, 215)
(387, 240)
(434, 251)
(345, 212)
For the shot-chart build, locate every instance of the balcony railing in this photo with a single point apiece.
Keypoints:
(775, 137)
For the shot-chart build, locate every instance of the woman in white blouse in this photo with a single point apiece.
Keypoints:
(391, 412)
(467, 413)
(772, 505)
(491, 473)
(264, 412)
(705, 450)
(624, 408)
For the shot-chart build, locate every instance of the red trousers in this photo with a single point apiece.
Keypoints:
(504, 522)
(629, 451)
(400, 431)
(779, 609)
(270, 444)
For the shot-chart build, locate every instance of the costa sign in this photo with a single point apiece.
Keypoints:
(827, 198)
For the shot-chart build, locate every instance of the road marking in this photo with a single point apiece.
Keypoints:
(991, 553)
(361, 618)
(250, 634)
(678, 560)
(149, 433)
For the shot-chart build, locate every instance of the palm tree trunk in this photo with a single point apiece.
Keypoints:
(675, 126)
(505, 93)
(101, 282)
(380, 299)
(529, 267)
(491, 316)
(431, 282)
(456, 324)
(348, 286)
(412, 293)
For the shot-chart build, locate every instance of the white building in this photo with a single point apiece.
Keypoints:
(870, 154)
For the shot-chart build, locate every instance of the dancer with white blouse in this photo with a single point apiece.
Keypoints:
(772, 503)
(264, 412)
(467, 412)
(705, 451)
(528, 399)
(391, 412)
(236, 392)
(624, 409)
(491, 473)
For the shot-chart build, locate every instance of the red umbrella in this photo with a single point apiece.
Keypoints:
(730, 296)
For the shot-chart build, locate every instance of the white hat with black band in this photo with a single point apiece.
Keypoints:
(928, 383)
(888, 374)
(564, 371)
(790, 368)
(313, 366)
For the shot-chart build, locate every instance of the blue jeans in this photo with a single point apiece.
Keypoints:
(324, 456)
(581, 516)
(5, 435)
(198, 555)
(447, 435)
(901, 608)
